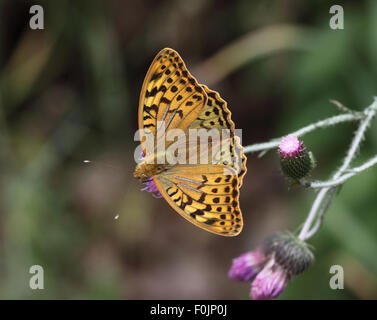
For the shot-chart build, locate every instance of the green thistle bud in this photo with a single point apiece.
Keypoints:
(295, 161)
(292, 254)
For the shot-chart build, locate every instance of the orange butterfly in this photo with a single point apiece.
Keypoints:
(205, 194)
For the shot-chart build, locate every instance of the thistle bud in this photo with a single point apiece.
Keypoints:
(271, 266)
(295, 160)
(287, 257)
(292, 254)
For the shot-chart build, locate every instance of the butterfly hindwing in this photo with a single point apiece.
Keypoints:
(206, 195)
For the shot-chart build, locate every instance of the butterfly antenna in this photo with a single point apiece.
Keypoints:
(125, 199)
(113, 167)
(101, 164)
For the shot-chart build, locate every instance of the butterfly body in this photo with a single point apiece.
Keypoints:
(204, 186)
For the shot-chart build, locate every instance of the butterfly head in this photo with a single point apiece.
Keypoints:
(144, 170)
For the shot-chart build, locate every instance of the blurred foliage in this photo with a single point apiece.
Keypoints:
(70, 92)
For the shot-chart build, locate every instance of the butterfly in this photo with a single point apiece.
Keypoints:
(206, 194)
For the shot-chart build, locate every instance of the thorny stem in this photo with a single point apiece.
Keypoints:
(321, 215)
(359, 135)
(314, 126)
(328, 188)
(351, 172)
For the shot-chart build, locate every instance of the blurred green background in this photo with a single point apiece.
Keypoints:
(70, 92)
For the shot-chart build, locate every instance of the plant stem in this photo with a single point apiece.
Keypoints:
(342, 179)
(328, 188)
(306, 233)
(331, 121)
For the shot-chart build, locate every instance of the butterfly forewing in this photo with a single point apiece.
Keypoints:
(171, 98)
(216, 114)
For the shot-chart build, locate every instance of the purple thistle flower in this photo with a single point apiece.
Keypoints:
(270, 267)
(270, 282)
(246, 266)
(149, 183)
(151, 187)
(290, 147)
